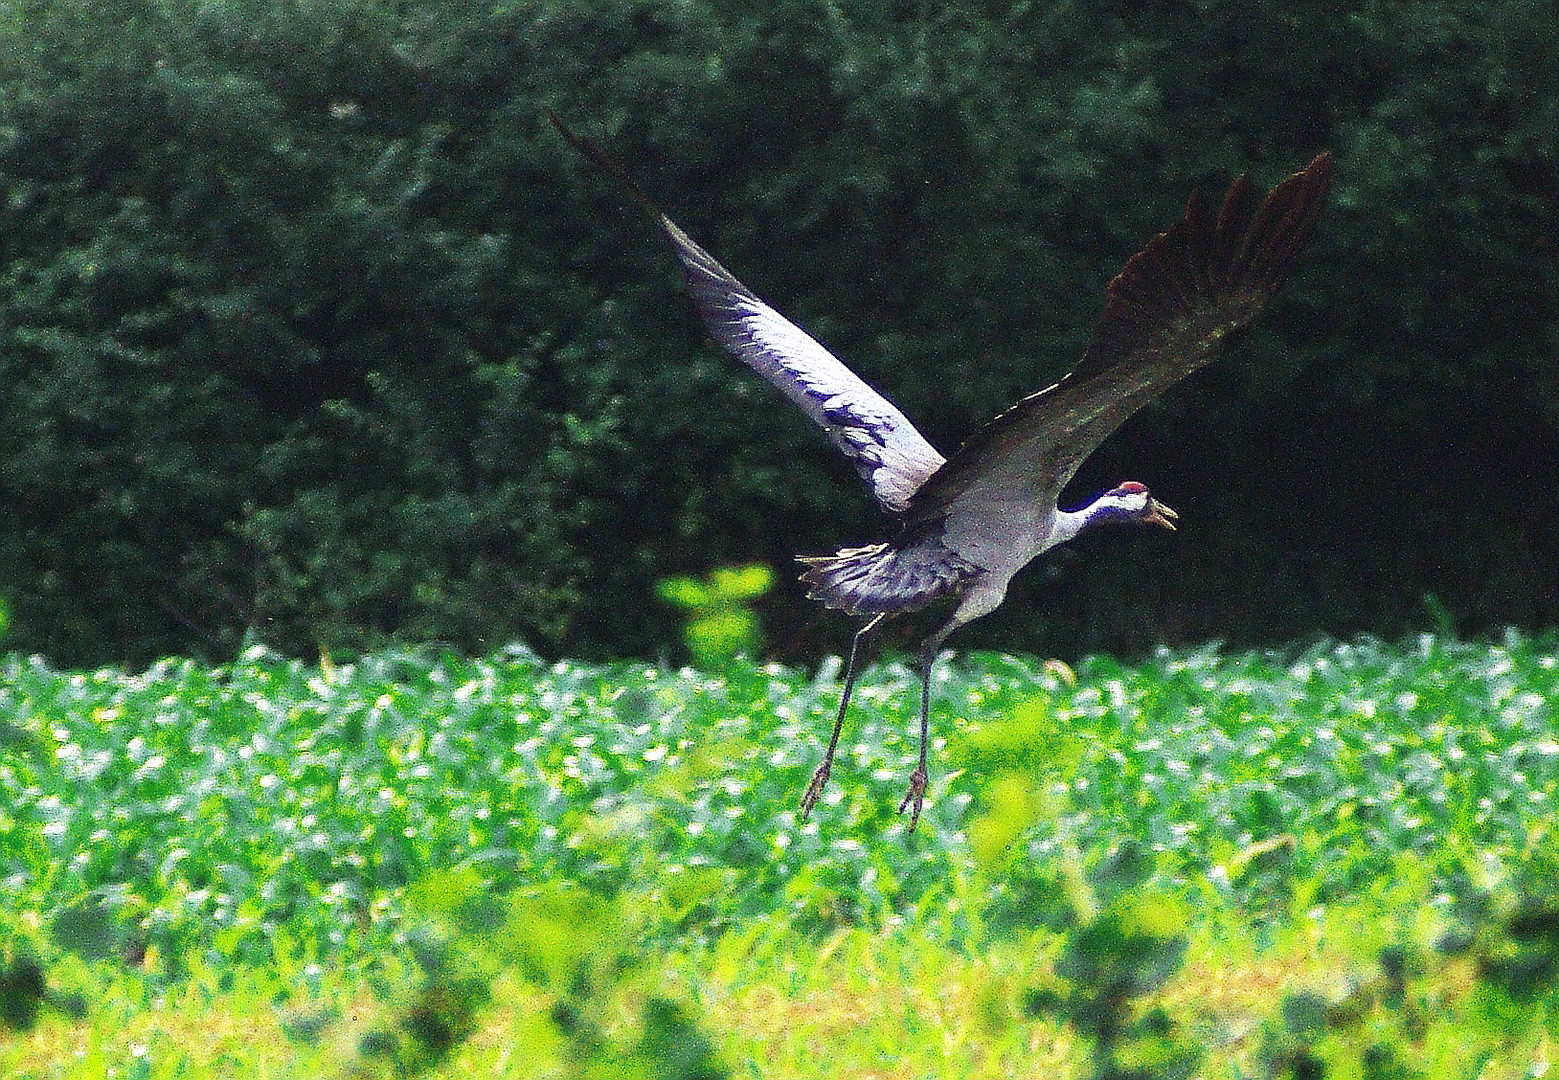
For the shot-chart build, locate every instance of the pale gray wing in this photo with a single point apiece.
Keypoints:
(891, 456)
(1169, 312)
(880, 442)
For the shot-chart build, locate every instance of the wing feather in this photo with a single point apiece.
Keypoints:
(886, 449)
(1168, 312)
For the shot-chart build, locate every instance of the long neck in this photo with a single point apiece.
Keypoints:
(1105, 510)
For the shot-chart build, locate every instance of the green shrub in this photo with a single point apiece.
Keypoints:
(721, 624)
(311, 329)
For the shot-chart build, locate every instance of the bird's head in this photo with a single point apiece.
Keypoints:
(1131, 502)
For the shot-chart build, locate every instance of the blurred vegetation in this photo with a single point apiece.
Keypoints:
(311, 330)
(721, 624)
(1338, 862)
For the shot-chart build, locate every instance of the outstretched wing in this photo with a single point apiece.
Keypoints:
(1169, 312)
(885, 448)
(891, 456)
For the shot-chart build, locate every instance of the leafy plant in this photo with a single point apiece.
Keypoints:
(721, 624)
(1351, 843)
(310, 333)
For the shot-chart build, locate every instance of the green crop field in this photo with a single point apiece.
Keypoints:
(1339, 862)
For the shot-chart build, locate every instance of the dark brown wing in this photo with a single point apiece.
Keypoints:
(1168, 313)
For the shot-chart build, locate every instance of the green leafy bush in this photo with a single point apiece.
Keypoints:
(312, 332)
(721, 624)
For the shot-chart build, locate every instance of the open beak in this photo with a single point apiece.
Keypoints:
(1159, 514)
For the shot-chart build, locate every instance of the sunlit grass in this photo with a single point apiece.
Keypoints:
(1324, 856)
(883, 1003)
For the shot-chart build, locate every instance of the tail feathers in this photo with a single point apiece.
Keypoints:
(883, 578)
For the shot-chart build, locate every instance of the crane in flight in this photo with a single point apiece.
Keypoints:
(967, 524)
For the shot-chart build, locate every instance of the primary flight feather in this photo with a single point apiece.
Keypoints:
(968, 523)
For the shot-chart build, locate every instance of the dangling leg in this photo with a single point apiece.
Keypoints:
(917, 779)
(814, 790)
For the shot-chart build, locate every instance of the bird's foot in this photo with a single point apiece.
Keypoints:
(917, 788)
(814, 790)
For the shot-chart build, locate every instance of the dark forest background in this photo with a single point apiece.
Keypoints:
(313, 331)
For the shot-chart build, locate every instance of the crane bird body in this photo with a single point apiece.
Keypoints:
(968, 523)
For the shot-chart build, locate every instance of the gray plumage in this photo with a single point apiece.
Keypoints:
(967, 524)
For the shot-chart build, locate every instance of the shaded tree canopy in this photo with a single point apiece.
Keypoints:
(312, 329)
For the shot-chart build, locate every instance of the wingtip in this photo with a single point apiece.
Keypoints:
(1248, 249)
(1309, 187)
(606, 161)
(585, 146)
(1314, 181)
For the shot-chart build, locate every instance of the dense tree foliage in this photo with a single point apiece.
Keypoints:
(311, 328)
